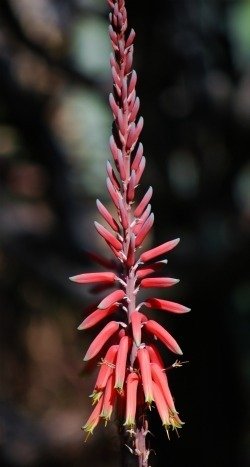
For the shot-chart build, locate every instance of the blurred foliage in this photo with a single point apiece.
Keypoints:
(193, 63)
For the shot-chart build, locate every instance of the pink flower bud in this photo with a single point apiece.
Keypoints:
(144, 230)
(92, 277)
(157, 330)
(112, 298)
(123, 214)
(96, 317)
(130, 38)
(159, 250)
(165, 305)
(145, 200)
(137, 158)
(101, 339)
(110, 239)
(158, 282)
(107, 216)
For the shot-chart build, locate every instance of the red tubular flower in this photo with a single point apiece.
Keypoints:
(106, 370)
(108, 399)
(121, 363)
(144, 363)
(131, 399)
(93, 419)
(131, 375)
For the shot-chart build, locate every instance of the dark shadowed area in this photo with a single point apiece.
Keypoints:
(193, 64)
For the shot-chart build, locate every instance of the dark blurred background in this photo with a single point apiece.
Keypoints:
(193, 62)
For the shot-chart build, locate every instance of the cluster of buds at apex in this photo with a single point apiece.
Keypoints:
(131, 373)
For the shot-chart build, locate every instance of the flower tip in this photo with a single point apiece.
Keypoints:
(72, 278)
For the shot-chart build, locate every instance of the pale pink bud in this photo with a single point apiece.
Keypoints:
(112, 174)
(121, 166)
(112, 34)
(165, 305)
(144, 362)
(96, 317)
(131, 139)
(134, 110)
(142, 219)
(159, 250)
(144, 230)
(124, 89)
(131, 251)
(142, 205)
(137, 158)
(113, 105)
(113, 147)
(130, 38)
(110, 239)
(92, 277)
(101, 339)
(131, 399)
(133, 81)
(112, 298)
(123, 214)
(155, 328)
(113, 192)
(121, 363)
(140, 170)
(128, 60)
(131, 187)
(107, 216)
(158, 282)
(121, 122)
(113, 62)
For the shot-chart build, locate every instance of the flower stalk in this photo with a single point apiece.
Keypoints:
(132, 375)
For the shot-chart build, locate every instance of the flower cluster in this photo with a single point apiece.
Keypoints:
(132, 374)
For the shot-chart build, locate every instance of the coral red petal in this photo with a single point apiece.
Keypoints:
(144, 363)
